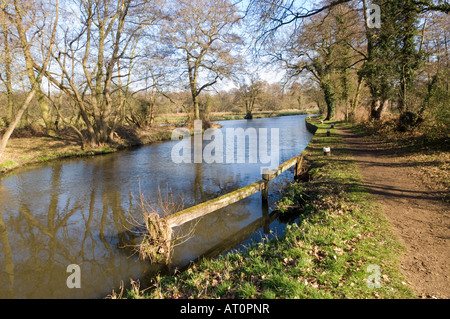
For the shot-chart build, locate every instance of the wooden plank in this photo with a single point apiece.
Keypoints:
(205, 208)
(280, 169)
(265, 191)
(298, 166)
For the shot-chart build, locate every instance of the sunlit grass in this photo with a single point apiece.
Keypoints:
(327, 253)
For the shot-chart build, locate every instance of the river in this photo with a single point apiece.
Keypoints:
(81, 211)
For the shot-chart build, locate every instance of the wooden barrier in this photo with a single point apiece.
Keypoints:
(205, 208)
(210, 206)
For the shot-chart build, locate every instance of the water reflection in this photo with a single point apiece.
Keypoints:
(79, 211)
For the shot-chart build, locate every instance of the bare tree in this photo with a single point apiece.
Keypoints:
(15, 17)
(95, 47)
(324, 48)
(248, 95)
(204, 43)
(6, 62)
(30, 19)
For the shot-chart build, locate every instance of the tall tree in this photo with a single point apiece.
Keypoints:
(324, 47)
(30, 19)
(205, 44)
(15, 16)
(394, 55)
(6, 63)
(248, 94)
(95, 47)
(391, 54)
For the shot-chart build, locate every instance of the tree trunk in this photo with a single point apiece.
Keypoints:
(196, 107)
(377, 108)
(13, 124)
(45, 113)
(402, 102)
(248, 110)
(34, 81)
(330, 99)
(356, 99)
(152, 109)
(8, 82)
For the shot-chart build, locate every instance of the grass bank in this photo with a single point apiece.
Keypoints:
(340, 247)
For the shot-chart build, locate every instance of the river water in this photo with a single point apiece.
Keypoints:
(82, 212)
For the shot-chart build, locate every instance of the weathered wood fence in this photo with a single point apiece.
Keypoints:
(167, 224)
(210, 206)
(177, 219)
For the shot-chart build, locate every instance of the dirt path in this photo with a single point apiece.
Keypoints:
(419, 217)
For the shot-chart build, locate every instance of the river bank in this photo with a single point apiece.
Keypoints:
(87, 211)
(340, 246)
(32, 148)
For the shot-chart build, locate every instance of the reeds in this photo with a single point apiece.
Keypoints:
(158, 239)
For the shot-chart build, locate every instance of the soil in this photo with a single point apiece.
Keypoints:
(419, 215)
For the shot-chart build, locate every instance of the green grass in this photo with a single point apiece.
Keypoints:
(8, 164)
(49, 157)
(77, 153)
(328, 253)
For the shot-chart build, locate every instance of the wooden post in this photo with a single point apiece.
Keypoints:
(265, 214)
(157, 241)
(265, 189)
(169, 245)
(210, 206)
(298, 167)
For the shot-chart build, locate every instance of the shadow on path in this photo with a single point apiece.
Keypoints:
(419, 216)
